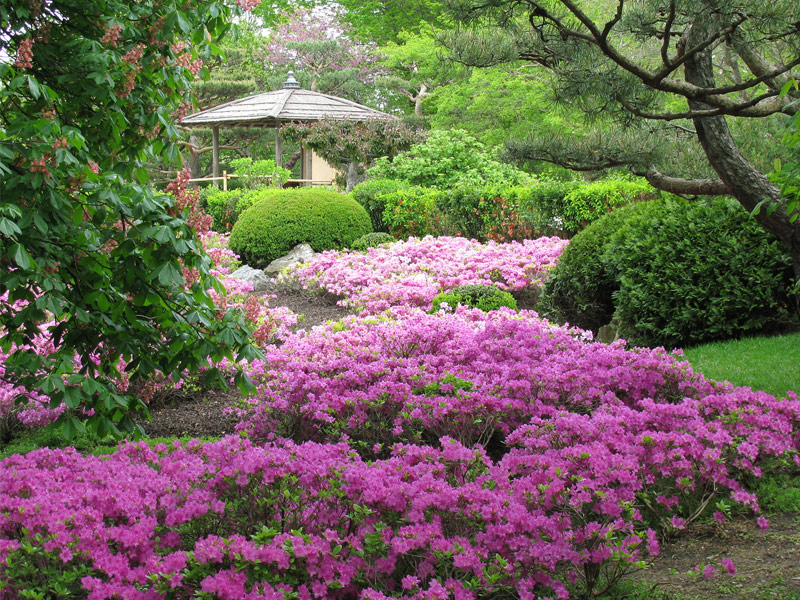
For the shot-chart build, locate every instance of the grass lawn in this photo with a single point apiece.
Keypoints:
(762, 363)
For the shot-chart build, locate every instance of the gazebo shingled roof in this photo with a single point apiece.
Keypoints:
(289, 104)
(292, 103)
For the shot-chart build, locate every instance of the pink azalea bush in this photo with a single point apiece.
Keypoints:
(406, 455)
(234, 520)
(412, 272)
(412, 376)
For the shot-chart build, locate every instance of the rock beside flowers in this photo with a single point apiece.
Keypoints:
(297, 255)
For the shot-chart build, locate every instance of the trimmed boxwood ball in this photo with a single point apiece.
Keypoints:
(371, 240)
(482, 297)
(276, 223)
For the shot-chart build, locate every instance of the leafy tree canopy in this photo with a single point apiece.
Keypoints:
(445, 159)
(671, 74)
(383, 21)
(92, 259)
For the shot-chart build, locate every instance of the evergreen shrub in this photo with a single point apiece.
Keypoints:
(579, 289)
(369, 194)
(370, 240)
(281, 219)
(482, 297)
(694, 272)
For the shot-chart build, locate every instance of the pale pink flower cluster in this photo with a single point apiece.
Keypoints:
(413, 272)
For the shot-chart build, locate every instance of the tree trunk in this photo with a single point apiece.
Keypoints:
(193, 162)
(421, 95)
(351, 180)
(746, 183)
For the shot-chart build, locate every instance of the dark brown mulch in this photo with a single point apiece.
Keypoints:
(314, 308)
(201, 415)
(767, 562)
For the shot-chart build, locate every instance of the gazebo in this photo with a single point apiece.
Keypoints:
(289, 104)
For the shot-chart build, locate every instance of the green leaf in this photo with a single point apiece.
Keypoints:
(170, 275)
(8, 228)
(20, 256)
(33, 86)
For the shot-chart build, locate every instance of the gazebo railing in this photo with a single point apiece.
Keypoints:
(291, 182)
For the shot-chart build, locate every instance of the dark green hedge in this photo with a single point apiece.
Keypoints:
(579, 289)
(693, 272)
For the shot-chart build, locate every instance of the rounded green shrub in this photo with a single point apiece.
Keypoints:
(579, 289)
(370, 240)
(369, 195)
(483, 297)
(693, 272)
(281, 219)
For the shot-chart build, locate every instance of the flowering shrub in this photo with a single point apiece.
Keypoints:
(411, 273)
(232, 520)
(562, 511)
(413, 377)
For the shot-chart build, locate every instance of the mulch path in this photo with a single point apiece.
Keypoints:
(202, 415)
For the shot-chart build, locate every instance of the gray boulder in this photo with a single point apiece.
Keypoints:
(260, 281)
(299, 254)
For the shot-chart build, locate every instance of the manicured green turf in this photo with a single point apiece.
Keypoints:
(771, 364)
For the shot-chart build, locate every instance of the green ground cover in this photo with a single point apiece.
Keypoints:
(762, 363)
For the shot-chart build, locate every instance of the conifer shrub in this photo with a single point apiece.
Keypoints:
(281, 219)
(482, 297)
(370, 240)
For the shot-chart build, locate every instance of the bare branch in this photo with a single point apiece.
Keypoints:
(678, 185)
(610, 25)
(667, 35)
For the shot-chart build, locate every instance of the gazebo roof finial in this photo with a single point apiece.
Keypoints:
(291, 82)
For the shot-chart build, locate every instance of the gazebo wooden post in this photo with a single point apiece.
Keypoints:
(278, 146)
(305, 161)
(215, 153)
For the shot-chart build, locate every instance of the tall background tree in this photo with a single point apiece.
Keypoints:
(321, 50)
(107, 269)
(679, 81)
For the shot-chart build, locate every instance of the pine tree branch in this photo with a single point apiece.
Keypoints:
(686, 187)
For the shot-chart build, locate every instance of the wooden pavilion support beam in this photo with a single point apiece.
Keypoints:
(215, 153)
(278, 146)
